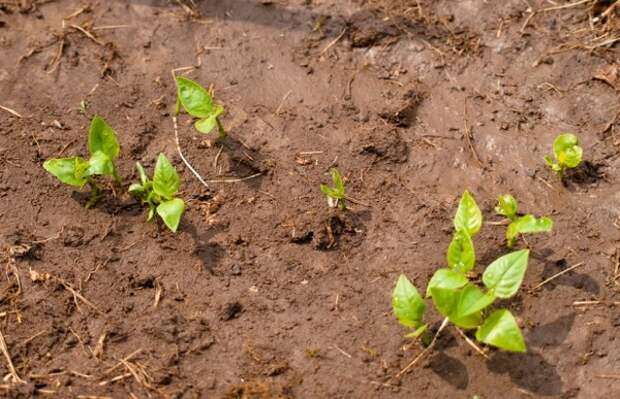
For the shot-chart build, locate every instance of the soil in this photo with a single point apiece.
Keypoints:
(265, 292)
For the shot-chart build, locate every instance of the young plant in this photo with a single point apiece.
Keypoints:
(335, 195)
(460, 300)
(77, 171)
(507, 206)
(159, 193)
(567, 153)
(197, 102)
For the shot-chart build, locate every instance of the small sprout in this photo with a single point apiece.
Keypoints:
(460, 300)
(313, 353)
(82, 108)
(197, 102)
(507, 206)
(335, 195)
(76, 171)
(159, 193)
(567, 153)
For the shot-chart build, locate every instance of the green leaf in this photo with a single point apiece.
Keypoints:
(151, 213)
(507, 206)
(505, 275)
(100, 164)
(143, 176)
(472, 301)
(195, 99)
(500, 329)
(338, 182)
(101, 137)
(461, 254)
(171, 212)
(136, 189)
(563, 142)
(407, 304)
(446, 278)
(572, 157)
(209, 123)
(468, 216)
(165, 179)
(527, 224)
(71, 171)
(447, 301)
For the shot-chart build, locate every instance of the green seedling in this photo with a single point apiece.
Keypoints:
(567, 153)
(335, 195)
(507, 206)
(198, 102)
(460, 300)
(77, 171)
(159, 193)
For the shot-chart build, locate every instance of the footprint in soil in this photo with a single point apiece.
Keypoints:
(528, 370)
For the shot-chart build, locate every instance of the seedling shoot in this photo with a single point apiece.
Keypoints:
(198, 102)
(158, 193)
(461, 301)
(507, 206)
(335, 195)
(76, 171)
(567, 153)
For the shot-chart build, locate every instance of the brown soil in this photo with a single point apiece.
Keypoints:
(265, 292)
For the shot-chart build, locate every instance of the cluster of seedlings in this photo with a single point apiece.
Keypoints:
(452, 290)
(158, 193)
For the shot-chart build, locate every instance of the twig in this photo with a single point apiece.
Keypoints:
(333, 42)
(78, 295)
(105, 27)
(358, 202)
(468, 137)
(10, 111)
(589, 303)
(176, 138)
(558, 275)
(87, 33)
(217, 158)
(12, 370)
(236, 180)
(608, 376)
(472, 343)
(565, 6)
(343, 352)
(282, 102)
(425, 351)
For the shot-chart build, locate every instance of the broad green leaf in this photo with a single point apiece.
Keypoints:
(100, 164)
(472, 301)
(563, 142)
(209, 123)
(151, 213)
(419, 331)
(500, 329)
(101, 137)
(505, 275)
(468, 216)
(549, 161)
(572, 157)
(195, 99)
(136, 188)
(527, 224)
(71, 171)
(165, 179)
(143, 176)
(507, 206)
(461, 254)
(407, 304)
(338, 182)
(171, 212)
(446, 278)
(447, 301)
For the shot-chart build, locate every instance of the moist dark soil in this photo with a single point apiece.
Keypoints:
(265, 292)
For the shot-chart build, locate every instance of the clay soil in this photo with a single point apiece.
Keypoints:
(265, 292)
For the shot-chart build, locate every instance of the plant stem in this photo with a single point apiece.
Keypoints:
(223, 133)
(117, 178)
(94, 194)
(444, 323)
